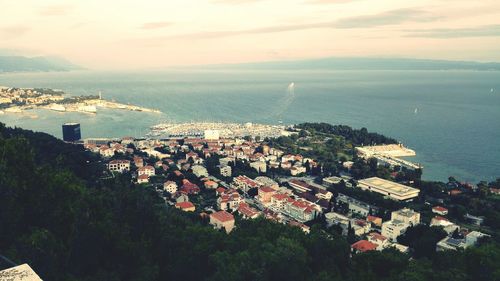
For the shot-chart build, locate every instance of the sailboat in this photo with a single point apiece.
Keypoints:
(416, 110)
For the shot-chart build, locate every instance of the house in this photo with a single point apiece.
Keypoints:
(278, 201)
(474, 219)
(363, 246)
(199, 171)
(324, 194)
(302, 226)
(106, 151)
(360, 227)
(146, 170)
(229, 199)
(443, 222)
(210, 184)
(440, 210)
(185, 206)
(143, 179)
(247, 212)
(138, 162)
(119, 166)
(332, 181)
(379, 239)
(170, 187)
(222, 220)
(189, 187)
(374, 220)
(355, 206)
(265, 193)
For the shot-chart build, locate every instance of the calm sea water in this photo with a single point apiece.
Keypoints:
(455, 129)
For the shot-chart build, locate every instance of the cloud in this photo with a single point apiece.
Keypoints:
(329, 1)
(480, 31)
(235, 2)
(13, 31)
(55, 10)
(156, 25)
(386, 18)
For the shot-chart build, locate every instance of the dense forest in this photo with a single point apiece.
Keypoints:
(59, 214)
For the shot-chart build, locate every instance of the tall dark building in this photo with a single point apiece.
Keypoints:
(71, 132)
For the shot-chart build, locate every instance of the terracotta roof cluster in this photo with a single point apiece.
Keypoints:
(246, 180)
(377, 236)
(189, 187)
(266, 189)
(246, 210)
(230, 195)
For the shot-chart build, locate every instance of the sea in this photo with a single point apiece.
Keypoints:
(450, 118)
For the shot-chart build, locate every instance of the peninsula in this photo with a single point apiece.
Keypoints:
(17, 100)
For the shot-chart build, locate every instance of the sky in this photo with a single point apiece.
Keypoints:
(131, 34)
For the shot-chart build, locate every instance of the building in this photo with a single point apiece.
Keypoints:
(363, 246)
(299, 185)
(332, 181)
(374, 220)
(379, 239)
(222, 220)
(301, 210)
(71, 132)
(211, 134)
(146, 170)
(447, 225)
(393, 229)
(185, 206)
(199, 171)
(265, 194)
(229, 199)
(143, 179)
(225, 171)
(259, 166)
(262, 180)
(390, 189)
(21, 272)
(440, 210)
(407, 216)
(355, 206)
(189, 188)
(247, 212)
(119, 165)
(244, 183)
(170, 187)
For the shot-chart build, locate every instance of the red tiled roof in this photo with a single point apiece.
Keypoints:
(439, 209)
(184, 205)
(222, 216)
(377, 236)
(372, 218)
(364, 246)
(266, 188)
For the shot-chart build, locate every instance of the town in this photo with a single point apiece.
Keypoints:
(225, 180)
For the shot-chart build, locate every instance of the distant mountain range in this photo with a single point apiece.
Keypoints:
(35, 64)
(366, 64)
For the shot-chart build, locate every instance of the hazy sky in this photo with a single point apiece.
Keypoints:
(109, 34)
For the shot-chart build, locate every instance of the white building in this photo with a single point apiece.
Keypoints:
(407, 216)
(146, 170)
(170, 187)
(226, 171)
(200, 171)
(393, 228)
(211, 134)
(119, 165)
(259, 166)
(387, 188)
